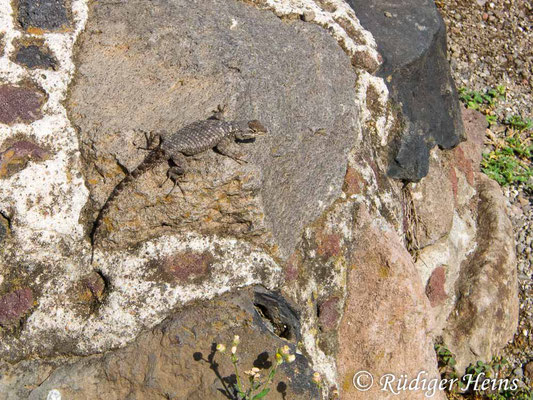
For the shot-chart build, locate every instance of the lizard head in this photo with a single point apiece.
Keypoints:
(250, 130)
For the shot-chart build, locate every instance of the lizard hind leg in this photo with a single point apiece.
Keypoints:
(173, 174)
(219, 113)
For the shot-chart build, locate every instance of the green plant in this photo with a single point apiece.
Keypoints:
(510, 162)
(445, 356)
(493, 370)
(446, 364)
(519, 394)
(480, 368)
(518, 123)
(257, 388)
(483, 102)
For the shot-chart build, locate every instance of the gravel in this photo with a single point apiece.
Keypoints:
(490, 44)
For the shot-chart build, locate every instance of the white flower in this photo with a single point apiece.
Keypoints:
(233, 349)
(221, 348)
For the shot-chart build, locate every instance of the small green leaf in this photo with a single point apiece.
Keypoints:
(261, 394)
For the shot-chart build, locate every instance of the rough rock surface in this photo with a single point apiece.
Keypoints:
(275, 250)
(417, 74)
(43, 14)
(486, 313)
(386, 328)
(175, 360)
(496, 37)
(470, 272)
(34, 56)
(20, 104)
(292, 175)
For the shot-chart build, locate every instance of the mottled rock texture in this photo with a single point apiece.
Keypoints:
(304, 244)
(411, 38)
(43, 14)
(35, 56)
(176, 360)
(17, 155)
(470, 270)
(486, 313)
(20, 104)
(386, 327)
(14, 305)
(216, 55)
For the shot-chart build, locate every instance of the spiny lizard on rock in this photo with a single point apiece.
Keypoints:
(190, 140)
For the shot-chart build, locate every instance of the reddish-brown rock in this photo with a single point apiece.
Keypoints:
(20, 104)
(386, 326)
(329, 313)
(435, 288)
(14, 305)
(187, 266)
(16, 156)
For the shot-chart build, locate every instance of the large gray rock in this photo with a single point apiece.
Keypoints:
(160, 65)
(411, 38)
(177, 359)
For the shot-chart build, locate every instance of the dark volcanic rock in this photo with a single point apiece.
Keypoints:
(43, 14)
(19, 104)
(33, 56)
(412, 42)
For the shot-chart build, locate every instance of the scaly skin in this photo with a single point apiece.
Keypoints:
(193, 139)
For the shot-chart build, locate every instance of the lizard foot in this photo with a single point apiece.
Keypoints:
(173, 174)
(218, 114)
(151, 138)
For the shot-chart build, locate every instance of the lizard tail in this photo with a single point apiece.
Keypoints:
(155, 157)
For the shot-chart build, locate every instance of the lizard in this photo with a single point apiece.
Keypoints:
(190, 140)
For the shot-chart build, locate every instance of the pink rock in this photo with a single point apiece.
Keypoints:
(329, 245)
(435, 287)
(187, 266)
(15, 157)
(329, 313)
(14, 305)
(386, 327)
(19, 104)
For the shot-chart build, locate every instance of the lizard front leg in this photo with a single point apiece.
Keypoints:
(229, 148)
(218, 114)
(152, 140)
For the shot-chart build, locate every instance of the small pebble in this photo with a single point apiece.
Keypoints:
(309, 16)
